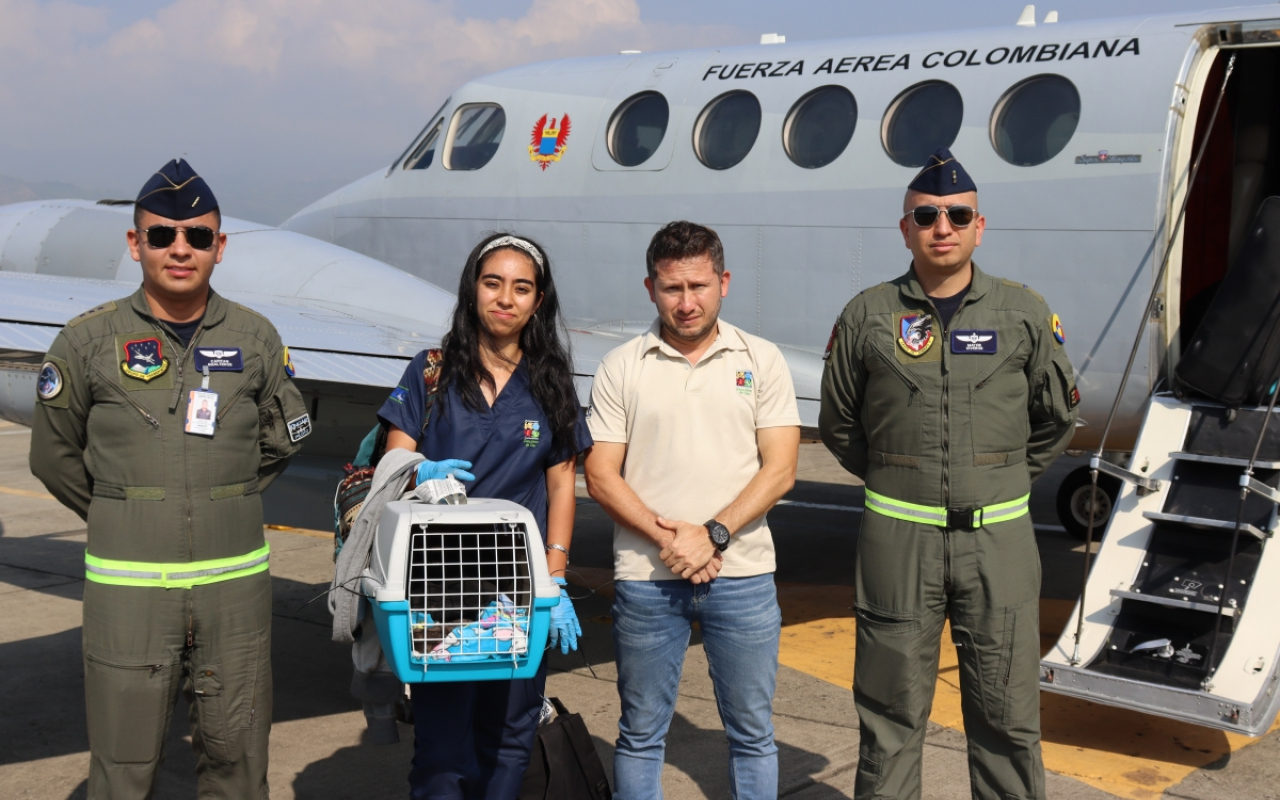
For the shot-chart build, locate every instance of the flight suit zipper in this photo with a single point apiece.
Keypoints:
(186, 470)
(946, 450)
(146, 415)
(978, 386)
(915, 390)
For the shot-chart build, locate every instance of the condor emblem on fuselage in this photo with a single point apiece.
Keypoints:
(915, 333)
(144, 360)
(549, 140)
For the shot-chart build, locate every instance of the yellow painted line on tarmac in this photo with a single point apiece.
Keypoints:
(1125, 753)
(315, 534)
(26, 493)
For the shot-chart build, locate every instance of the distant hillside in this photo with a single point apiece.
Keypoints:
(17, 190)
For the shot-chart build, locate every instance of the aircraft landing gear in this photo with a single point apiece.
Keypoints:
(1073, 503)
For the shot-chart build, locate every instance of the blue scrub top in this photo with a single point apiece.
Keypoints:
(510, 445)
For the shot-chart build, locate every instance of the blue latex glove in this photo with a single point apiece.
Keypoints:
(439, 470)
(564, 621)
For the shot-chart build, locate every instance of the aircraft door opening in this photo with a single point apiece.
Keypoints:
(1240, 170)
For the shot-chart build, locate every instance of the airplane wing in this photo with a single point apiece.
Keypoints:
(329, 342)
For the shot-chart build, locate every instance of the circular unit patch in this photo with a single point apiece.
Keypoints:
(49, 384)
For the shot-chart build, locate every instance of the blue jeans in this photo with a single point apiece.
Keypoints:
(741, 624)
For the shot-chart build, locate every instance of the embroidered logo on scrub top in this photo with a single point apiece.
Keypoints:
(531, 433)
(745, 382)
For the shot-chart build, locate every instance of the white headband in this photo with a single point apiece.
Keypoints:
(515, 241)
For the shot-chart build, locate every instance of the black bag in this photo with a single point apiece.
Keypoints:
(564, 764)
(1234, 356)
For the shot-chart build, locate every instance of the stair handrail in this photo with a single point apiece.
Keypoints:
(1133, 353)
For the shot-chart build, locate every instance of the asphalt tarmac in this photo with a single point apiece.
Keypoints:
(316, 741)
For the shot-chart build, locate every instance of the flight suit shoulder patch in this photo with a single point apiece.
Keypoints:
(51, 384)
(110, 305)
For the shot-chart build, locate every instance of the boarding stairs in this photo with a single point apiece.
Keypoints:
(1182, 605)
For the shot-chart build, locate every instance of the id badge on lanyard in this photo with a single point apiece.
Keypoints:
(202, 409)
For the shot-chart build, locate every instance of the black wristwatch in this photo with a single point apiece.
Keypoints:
(719, 535)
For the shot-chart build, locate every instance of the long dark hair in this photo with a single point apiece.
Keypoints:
(546, 353)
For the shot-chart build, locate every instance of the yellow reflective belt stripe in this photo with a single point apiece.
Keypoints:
(177, 575)
(899, 509)
(937, 515)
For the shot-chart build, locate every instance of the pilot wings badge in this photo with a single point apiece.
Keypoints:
(549, 140)
(974, 342)
(915, 333)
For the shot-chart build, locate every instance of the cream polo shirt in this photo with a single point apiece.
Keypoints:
(690, 433)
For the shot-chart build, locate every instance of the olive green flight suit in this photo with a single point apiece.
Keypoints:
(930, 428)
(108, 442)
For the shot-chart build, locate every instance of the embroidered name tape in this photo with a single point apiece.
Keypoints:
(980, 342)
(219, 359)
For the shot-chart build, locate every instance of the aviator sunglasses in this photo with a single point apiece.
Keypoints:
(961, 216)
(162, 236)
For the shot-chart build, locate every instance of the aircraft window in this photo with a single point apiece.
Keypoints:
(422, 155)
(920, 120)
(819, 126)
(727, 129)
(1035, 120)
(637, 128)
(474, 136)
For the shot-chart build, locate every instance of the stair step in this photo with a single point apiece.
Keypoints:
(1205, 524)
(1225, 461)
(1193, 605)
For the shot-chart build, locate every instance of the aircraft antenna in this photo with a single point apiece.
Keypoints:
(1133, 355)
(1027, 19)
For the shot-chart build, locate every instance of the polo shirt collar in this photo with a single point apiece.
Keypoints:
(727, 338)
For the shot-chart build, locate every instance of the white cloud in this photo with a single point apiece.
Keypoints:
(279, 97)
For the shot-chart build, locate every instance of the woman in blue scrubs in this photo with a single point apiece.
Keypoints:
(506, 411)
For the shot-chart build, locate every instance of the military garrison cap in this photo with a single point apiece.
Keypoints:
(177, 192)
(942, 176)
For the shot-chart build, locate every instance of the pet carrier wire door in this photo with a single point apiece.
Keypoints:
(461, 592)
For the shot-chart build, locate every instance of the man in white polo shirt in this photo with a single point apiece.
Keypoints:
(695, 420)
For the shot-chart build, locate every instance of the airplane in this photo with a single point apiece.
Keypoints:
(1079, 134)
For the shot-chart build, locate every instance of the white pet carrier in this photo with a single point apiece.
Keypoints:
(461, 592)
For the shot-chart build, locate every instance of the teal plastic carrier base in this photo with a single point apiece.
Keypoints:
(394, 631)
(460, 592)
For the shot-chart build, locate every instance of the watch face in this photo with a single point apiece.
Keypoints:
(719, 535)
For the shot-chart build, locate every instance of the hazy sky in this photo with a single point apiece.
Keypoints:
(277, 102)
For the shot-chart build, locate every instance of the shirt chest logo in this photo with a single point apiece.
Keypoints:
(744, 382)
(915, 333)
(219, 359)
(144, 359)
(532, 433)
(977, 342)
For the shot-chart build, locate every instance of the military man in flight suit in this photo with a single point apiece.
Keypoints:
(177, 591)
(948, 391)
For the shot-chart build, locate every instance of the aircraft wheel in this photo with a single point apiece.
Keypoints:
(1073, 503)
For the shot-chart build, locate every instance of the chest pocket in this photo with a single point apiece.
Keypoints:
(998, 400)
(893, 410)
